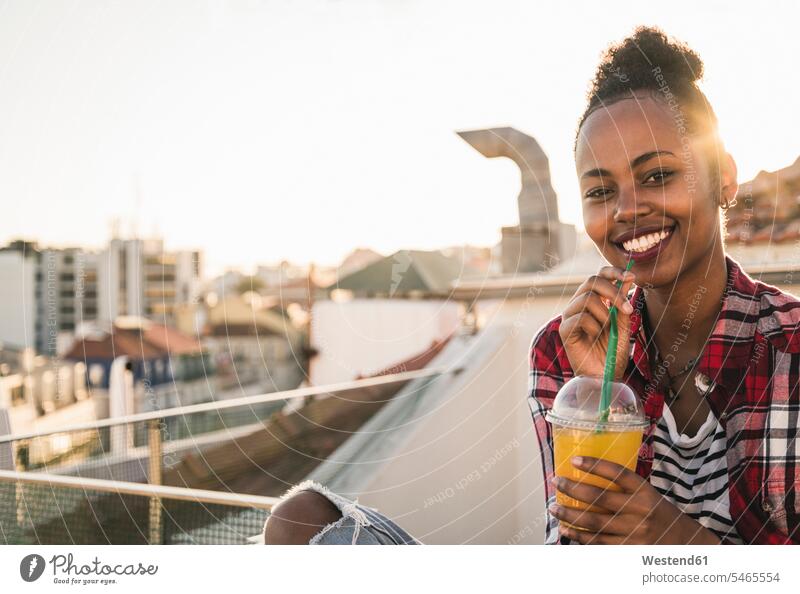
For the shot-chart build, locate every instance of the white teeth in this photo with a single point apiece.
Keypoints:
(644, 243)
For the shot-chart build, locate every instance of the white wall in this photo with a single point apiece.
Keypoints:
(364, 336)
(471, 473)
(17, 299)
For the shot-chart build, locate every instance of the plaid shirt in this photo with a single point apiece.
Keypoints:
(753, 358)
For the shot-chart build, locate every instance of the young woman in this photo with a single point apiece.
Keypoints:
(713, 355)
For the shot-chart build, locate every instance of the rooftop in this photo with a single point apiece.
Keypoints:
(405, 273)
(146, 341)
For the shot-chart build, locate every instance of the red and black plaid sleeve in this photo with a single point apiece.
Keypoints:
(549, 369)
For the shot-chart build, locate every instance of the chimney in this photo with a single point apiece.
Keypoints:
(541, 240)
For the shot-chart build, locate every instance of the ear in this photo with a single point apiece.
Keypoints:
(729, 185)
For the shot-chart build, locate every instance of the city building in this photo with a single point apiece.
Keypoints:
(39, 393)
(18, 268)
(47, 294)
(137, 277)
(66, 296)
(252, 344)
(227, 283)
(766, 214)
(279, 274)
(168, 367)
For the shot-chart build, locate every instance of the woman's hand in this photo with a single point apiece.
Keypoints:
(636, 515)
(584, 328)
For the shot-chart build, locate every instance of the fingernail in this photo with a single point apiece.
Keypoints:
(627, 307)
(577, 460)
(554, 508)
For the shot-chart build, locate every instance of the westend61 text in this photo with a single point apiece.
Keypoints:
(690, 560)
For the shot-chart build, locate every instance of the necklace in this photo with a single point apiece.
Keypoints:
(666, 386)
(702, 382)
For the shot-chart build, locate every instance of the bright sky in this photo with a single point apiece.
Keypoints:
(264, 130)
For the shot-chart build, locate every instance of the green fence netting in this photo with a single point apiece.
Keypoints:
(44, 514)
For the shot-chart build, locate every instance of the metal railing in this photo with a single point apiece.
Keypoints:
(242, 401)
(40, 508)
(95, 476)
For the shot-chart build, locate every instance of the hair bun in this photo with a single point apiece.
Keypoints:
(667, 70)
(631, 63)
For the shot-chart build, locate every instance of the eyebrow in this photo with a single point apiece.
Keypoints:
(643, 158)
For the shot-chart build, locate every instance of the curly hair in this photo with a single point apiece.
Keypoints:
(666, 69)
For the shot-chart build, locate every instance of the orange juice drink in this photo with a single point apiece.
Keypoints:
(621, 447)
(581, 428)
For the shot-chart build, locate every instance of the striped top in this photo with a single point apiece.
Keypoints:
(692, 472)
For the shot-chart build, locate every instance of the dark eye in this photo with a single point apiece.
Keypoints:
(658, 176)
(600, 193)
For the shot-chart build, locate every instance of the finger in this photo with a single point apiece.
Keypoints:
(623, 292)
(614, 273)
(590, 520)
(578, 324)
(626, 286)
(611, 501)
(624, 307)
(626, 479)
(584, 537)
(589, 327)
(623, 330)
(599, 284)
(605, 288)
(624, 326)
(588, 303)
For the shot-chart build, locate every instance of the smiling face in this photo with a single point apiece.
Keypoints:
(646, 190)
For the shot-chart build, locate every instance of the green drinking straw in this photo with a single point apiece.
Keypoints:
(611, 360)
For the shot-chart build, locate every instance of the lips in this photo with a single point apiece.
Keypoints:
(641, 231)
(645, 242)
(642, 238)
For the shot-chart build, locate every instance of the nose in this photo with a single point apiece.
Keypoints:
(629, 207)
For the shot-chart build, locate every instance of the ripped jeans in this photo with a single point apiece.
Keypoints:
(359, 524)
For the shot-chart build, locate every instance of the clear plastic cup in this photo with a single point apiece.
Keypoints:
(578, 430)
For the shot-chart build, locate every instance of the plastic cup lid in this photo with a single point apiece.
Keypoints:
(577, 405)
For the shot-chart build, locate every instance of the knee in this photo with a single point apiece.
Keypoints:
(297, 519)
